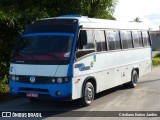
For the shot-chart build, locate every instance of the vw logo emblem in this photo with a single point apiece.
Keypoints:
(32, 79)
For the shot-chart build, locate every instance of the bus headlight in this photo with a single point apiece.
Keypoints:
(16, 78)
(53, 80)
(66, 79)
(59, 80)
(13, 77)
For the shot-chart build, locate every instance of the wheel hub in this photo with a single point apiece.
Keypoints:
(135, 79)
(89, 94)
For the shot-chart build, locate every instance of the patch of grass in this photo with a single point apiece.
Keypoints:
(156, 61)
(4, 91)
(3, 86)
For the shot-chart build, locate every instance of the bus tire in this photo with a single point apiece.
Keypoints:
(134, 79)
(87, 94)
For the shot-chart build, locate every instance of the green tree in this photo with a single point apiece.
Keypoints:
(137, 19)
(90, 8)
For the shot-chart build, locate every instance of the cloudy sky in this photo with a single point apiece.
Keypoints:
(147, 10)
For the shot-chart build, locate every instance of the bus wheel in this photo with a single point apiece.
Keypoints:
(88, 94)
(134, 79)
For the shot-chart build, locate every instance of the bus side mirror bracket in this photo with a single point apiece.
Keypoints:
(82, 39)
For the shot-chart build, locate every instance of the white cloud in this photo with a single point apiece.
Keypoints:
(147, 10)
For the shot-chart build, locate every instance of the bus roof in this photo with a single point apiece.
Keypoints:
(86, 22)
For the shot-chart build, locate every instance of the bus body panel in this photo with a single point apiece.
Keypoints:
(110, 69)
(39, 70)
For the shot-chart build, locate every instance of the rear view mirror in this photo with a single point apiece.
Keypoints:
(82, 39)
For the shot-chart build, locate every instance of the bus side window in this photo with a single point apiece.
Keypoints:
(137, 39)
(140, 39)
(117, 40)
(100, 40)
(87, 48)
(126, 39)
(145, 38)
(113, 39)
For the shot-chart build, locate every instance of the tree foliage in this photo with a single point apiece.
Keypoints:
(137, 19)
(15, 14)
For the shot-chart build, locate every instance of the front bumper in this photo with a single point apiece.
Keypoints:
(44, 91)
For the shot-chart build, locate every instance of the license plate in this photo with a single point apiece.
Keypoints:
(34, 95)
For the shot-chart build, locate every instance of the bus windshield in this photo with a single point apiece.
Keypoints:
(44, 49)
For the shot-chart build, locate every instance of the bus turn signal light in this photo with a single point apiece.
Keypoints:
(77, 81)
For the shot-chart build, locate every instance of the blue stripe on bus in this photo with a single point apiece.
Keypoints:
(48, 34)
(70, 68)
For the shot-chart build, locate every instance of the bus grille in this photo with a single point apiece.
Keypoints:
(42, 80)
